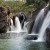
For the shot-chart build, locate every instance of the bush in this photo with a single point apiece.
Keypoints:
(30, 5)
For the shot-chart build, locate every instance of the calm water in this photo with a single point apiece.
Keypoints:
(20, 43)
(11, 44)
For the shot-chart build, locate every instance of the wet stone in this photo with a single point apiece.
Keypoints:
(31, 37)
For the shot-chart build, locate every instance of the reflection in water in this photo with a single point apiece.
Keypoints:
(47, 46)
(22, 44)
(37, 46)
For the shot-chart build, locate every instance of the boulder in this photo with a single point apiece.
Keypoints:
(31, 37)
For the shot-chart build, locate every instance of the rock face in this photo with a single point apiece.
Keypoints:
(3, 20)
(46, 9)
(48, 35)
(31, 37)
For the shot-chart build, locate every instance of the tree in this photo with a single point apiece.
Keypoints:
(30, 1)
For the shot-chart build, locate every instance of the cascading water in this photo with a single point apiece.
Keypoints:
(25, 26)
(17, 27)
(40, 25)
(43, 28)
(38, 21)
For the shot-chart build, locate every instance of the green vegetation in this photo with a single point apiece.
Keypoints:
(30, 5)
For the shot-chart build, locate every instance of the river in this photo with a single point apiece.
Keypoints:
(20, 43)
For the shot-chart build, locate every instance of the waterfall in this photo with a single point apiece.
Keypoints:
(25, 26)
(43, 28)
(40, 26)
(38, 21)
(17, 27)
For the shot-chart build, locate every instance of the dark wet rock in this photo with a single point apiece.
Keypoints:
(3, 25)
(31, 37)
(29, 26)
(3, 20)
(47, 8)
(48, 35)
(3, 29)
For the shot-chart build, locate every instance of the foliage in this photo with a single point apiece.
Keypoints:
(16, 6)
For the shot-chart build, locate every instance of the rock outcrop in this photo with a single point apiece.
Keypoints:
(48, 35)
(46, 9)
(3, 20)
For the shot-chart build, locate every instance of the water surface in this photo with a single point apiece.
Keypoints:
(22, 44)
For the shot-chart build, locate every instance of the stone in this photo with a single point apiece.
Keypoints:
(48, 35)
(3, 19)
(31, 37)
